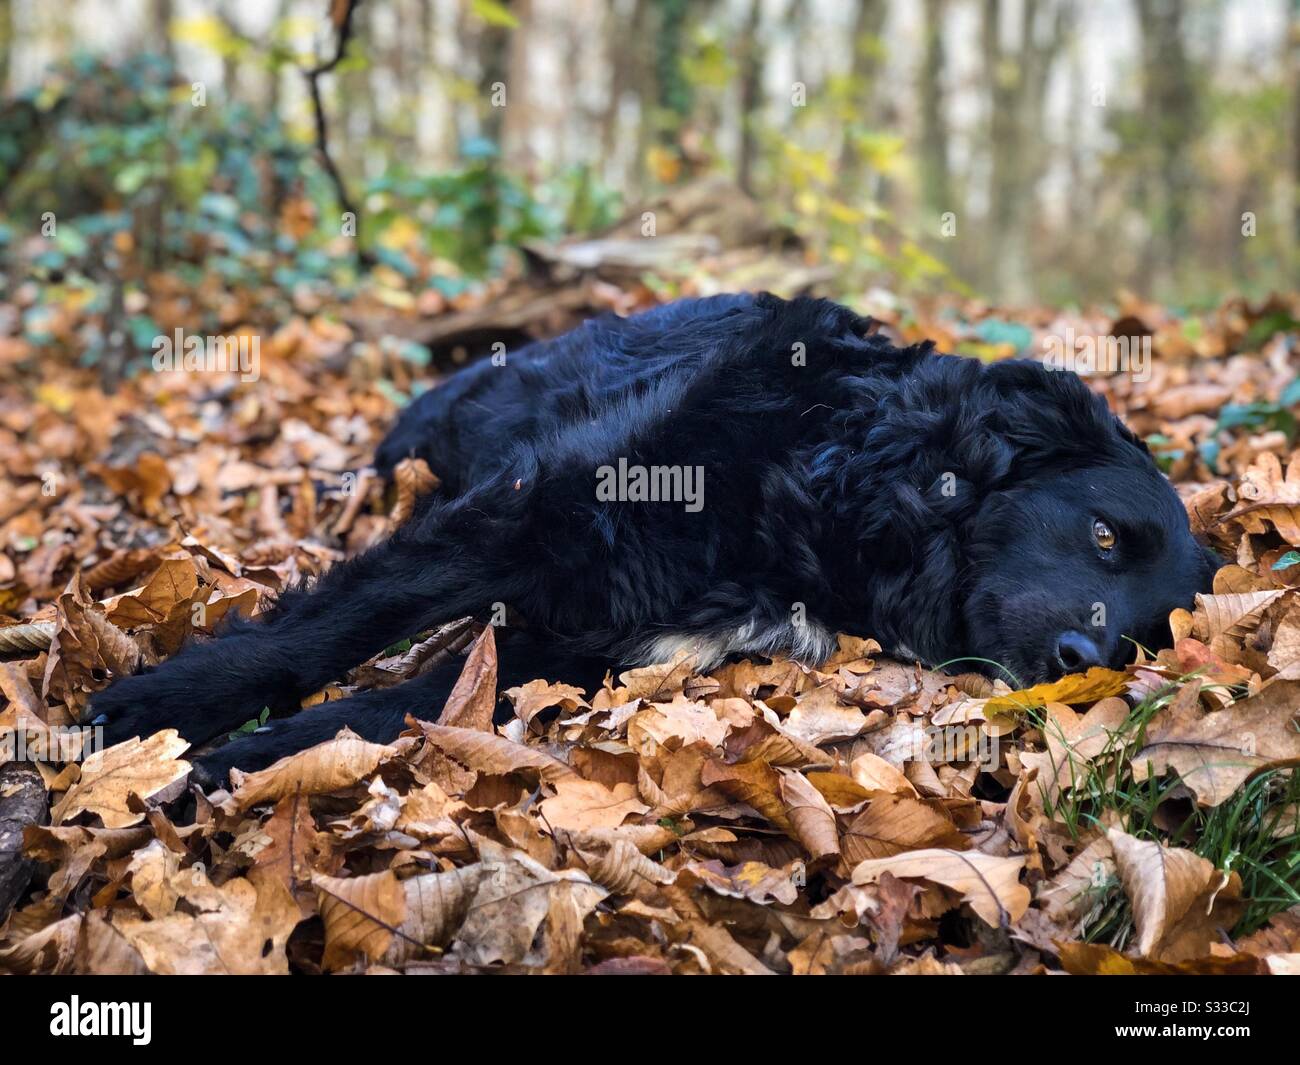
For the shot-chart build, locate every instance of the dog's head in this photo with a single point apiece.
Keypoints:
(1076, 569)
(1083, 550)
(1003, 513)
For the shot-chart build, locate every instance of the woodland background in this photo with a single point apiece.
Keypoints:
(1079, 147)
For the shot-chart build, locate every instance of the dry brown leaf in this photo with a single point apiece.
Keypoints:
(892, 824)
(474, 697)
(413, 479)
(362, 915)
(1225, 621)
(810, 815)
(515, 895)
(50, 950)
(1269, 496)
(680, 722)
(294, 850)
(152, 870)
(660, 681)
(622, 868)
(77, 664)
(1074, 741)
(109, 778)
(1077, 888)
(1181, 902)
(722, 950)
(336, 764)
(1215, 753)
(487, 752)
(583, 805)
(532, 698)
(762, 740)
(755, 881)
(990, 885)
(876, 774)
(755, 783)
(820, 716)
(163, 605)
(1284, 653)
(391, 921)
(840, 790)
(238, 928)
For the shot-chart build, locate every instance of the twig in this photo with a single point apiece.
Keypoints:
(342, 15)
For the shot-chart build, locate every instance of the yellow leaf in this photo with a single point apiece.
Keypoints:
(1097, 683)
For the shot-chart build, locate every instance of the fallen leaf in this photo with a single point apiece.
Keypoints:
(583, 804)
(473, 699)
(339, 763)
(1215, 753)
(1181, 902)
(989, 884)
(892, 824)
(487, 752)
(1097, 683)
(109, 778)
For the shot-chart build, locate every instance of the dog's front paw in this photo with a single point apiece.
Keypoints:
(133, 706)
(196, 693)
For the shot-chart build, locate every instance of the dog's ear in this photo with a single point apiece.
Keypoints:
(1054, 420)
(898, 512)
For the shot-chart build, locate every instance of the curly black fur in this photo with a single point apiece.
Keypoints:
(942, 505)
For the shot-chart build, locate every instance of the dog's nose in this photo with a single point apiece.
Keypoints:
(1076, 652)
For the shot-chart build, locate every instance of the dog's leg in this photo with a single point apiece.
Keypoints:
(378, 715)
(454, 558)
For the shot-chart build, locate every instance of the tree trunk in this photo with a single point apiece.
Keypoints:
(751, 83)
(936, 183)
(6, 43)
(868, 23)
(1171, 105)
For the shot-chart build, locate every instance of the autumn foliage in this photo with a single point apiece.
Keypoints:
(859, 816)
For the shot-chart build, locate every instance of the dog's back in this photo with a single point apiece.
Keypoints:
(466, 426)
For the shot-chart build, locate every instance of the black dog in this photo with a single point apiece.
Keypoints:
(735, 474)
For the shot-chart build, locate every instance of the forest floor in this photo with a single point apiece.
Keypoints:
(765, 817)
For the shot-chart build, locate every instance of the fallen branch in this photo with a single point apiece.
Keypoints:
(22, 803)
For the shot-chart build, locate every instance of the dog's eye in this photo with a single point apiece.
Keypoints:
(1103, 534)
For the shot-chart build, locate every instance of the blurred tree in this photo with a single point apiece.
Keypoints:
(1016, 82)
(936, 181)
(751, 76)
(864, 66)
(6, 41)
(1170, 102)
(1293, 74)
(1083, 147)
